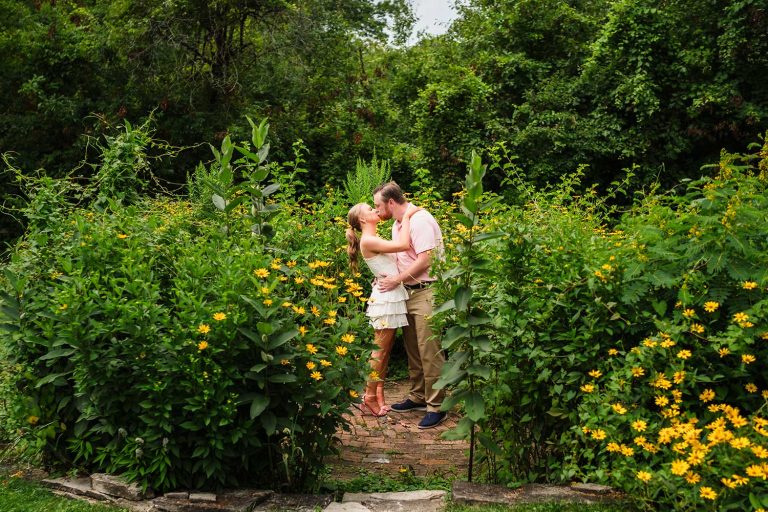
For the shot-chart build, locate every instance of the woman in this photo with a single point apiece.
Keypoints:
(386, 311)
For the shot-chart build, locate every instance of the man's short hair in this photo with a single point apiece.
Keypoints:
(390, 190)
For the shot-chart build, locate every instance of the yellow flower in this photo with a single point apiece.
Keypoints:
(595, 374)
(32, 420)
(203, 328)
(740, 317)
(374, 375)
(724, 352)
(122, 236)
(298, 280)
(668, 343)
(323, 362)
(749, 285)
(643, 476)
(348, 338)
(684, 354)
(748, 358)
(711, 306)
(639, 425)
(290, 264)
(740, 443)
(353, 393)
(638, 372)
(707, 493)
(267, 302)
(679, 467)
(627, 451)
(588, 388)
(265, 290)
(697, 328)
(612, 352)
(219, 316)
(692, 478)
(299, 310)
(648, 342)
(316, 375)
(598, 434)
(261, 272)
(310, 365)
(342, 351)
(329, 321)
(678, 377)
(63, 307)
(303, 330)
(619, 409)
(285, 362)
(751, 388)
(342, 299)
(661, 401)
(202, 345)
(287, 304)
(311, 348)
(689, 313)
(315, 310)
(707, 395)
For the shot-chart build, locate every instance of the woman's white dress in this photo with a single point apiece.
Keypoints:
(386, 310)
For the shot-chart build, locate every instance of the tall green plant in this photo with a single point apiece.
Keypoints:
(468, 337)
(359, 184)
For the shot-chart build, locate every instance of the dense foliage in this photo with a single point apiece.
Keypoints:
(630, 353)
(168, 342)
(606, 83)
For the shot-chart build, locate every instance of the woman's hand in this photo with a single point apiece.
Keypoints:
(411, 210)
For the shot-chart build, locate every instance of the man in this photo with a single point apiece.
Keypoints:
(425, 355)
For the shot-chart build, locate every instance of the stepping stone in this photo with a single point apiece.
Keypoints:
(409, 501)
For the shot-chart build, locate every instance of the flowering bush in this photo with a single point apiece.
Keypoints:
(674, 409)
(157, 345)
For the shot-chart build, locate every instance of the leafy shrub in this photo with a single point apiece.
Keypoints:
(629, 355)
(160, 346)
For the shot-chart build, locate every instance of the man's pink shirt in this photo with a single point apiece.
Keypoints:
(425, 236)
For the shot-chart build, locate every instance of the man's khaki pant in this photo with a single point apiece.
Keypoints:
(425, 356)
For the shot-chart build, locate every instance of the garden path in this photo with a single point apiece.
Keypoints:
(395, 445)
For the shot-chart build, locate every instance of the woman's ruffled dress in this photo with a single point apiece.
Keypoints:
(386, 310)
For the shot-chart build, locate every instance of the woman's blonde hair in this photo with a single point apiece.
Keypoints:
(353, 241)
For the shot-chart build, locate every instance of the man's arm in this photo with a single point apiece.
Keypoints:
(422, 263)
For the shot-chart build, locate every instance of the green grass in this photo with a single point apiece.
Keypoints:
(19, 495)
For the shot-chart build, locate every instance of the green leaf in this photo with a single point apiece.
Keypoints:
(270, 189)
(282, 378)
(260, 402)
(660, 307)
(474, 406)
(219, 202)
(265, 328)
(445, 306)
(487, 442)
(462, 296)
(453, 334)
(460, 431)
(487, 236)
(280, 339)
(50, 378)
(479, 370)
(263, 152)
(269, 422)
(54, 354)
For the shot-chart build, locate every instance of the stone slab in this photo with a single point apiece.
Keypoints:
(202, 496)
(476, 494)
(75, 486)
(116, 486)
(591, 488)
(352, 506)
(466, 493)
(409, 501)
(293, 503)
(243, 500)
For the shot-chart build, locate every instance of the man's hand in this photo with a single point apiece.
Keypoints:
(387, 283)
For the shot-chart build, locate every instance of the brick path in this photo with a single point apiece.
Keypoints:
(394, 442)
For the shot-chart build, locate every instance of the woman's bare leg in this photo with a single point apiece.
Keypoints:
(384, 338)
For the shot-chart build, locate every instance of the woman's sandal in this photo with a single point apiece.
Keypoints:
(363, 406)
(383, 407)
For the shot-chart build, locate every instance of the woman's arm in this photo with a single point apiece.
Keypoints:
(378, 244)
